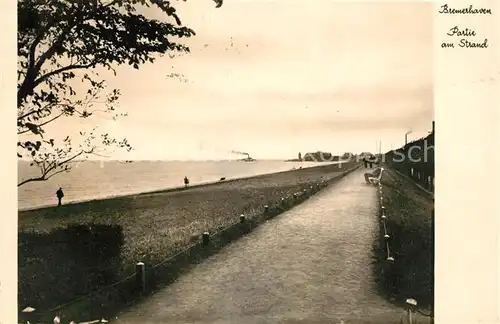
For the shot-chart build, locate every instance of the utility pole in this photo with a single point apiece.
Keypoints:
(406, 137)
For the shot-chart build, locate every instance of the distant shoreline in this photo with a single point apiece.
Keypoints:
(165, 190)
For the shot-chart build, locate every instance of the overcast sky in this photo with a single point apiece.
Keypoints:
(274, 78)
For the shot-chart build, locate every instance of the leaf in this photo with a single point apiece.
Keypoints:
(33, 128)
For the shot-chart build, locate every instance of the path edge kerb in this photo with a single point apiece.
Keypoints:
(180, 263)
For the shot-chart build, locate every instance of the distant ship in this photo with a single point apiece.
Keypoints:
(247, 159)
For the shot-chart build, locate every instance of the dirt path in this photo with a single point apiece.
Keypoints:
(312, 264)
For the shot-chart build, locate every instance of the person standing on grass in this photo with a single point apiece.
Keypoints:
(186, 181)
(60, 195)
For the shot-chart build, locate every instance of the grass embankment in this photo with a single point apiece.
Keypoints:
(70, 251)
(409, 223)
(419, 157)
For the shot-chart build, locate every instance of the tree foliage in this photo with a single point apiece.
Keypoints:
(61, 42)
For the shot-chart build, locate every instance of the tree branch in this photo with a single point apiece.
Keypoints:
(57, 172)
(42, 124)
(53, 165)
(44, 77)
(33, 112)
(28, 84)
(52, 49)
(30, 180)
(31, 72)
(42, 178)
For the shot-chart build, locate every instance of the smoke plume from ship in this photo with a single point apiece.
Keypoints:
(248, 158)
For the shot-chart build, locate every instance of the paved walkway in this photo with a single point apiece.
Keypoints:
(311, 264)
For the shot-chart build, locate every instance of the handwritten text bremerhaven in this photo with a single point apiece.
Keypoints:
(464, 37)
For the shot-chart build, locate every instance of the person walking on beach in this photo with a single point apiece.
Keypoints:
(60, 195)
(186, 181)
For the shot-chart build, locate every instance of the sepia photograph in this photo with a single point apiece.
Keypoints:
(236, 161)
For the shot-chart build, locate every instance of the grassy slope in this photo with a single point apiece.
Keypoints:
(154, 227)
(409, 223)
